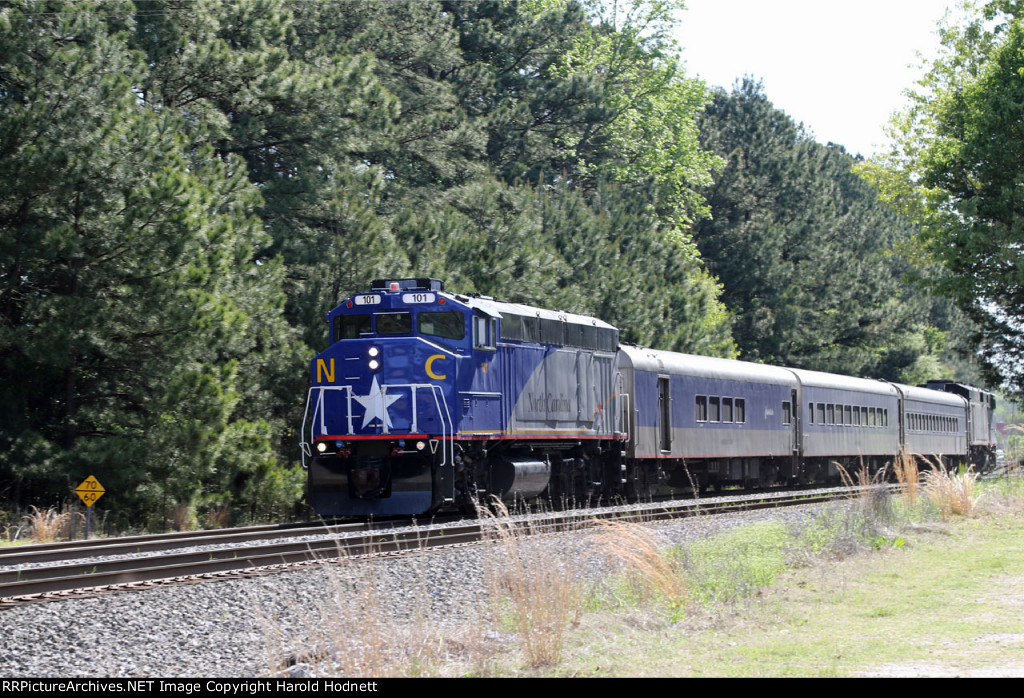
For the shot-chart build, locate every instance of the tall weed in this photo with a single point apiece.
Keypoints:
(534, 590)
(952, 493)
(47, 525)
(360, 626)
(862, 477)
(649, 572)
(908, 476)
(183, 516)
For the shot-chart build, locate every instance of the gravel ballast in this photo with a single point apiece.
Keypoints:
(242, 627)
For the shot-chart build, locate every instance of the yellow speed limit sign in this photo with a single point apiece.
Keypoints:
(90, 490)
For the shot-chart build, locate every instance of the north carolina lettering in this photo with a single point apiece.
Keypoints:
(550, 403)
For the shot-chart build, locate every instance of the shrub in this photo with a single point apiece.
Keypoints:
(47, 525)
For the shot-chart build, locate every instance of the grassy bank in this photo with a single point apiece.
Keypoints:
(910, 585)
(891, 586)
(946, 602)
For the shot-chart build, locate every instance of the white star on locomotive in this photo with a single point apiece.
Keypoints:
(376, 404)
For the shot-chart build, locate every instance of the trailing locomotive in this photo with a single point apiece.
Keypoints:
(427, 400)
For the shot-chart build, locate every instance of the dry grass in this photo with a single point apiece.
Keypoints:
(363, 633)
(218, 516)
(183, 517)
(530, 597)
(873, 517)
(861, 477)
(48, 525)
(649, 573)
(11, 532)
(952, 493)
(908, 476)
(535, 591)
(359, 627)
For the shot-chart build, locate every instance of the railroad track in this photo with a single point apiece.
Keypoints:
(54, 571)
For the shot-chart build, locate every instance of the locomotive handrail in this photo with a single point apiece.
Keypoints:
(620, 415)
(447, 426)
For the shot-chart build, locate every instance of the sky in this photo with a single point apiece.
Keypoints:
(840, 68)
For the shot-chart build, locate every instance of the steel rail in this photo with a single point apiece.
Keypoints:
(47, 580)
(142, 537)
(42, 583)
(128, 545)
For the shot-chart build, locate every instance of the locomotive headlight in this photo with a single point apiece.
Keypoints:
(374, 364)
(420, 445)
(374, 351)
(321, 446)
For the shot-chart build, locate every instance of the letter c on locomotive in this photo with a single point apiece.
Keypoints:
(429, 367)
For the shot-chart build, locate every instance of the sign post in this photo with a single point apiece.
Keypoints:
(89, 491)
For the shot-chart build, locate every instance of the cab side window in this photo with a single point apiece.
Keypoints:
(484, 331)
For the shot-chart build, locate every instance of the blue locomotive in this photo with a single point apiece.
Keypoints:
(427, 400)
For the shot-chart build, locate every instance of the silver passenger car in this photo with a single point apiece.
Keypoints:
(698, 407)
(933, 422)
(847, 417)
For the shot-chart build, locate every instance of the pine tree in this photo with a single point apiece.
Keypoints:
(129, 292)
(804, 251)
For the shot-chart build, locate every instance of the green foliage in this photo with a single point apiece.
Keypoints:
(650, 134)
(187, 186)
(808, 258)
(733, 565)
(575, 250)
(881, 542)
(129, 293)
(954, 170)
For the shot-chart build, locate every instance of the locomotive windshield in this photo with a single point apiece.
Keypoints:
(447, 325)
(351, 326)
(394, 323)
(450, 325)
